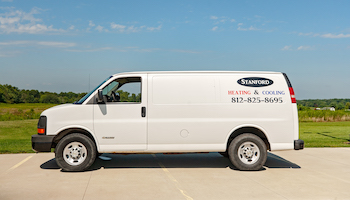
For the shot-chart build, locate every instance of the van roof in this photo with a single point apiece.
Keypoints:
(198, 72)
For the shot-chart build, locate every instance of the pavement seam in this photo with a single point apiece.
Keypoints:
(172, 178)
(87, 185)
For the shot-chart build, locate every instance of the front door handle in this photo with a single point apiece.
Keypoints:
(143, 112)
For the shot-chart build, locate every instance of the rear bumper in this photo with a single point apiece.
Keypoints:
(298, 144)
(42, 143)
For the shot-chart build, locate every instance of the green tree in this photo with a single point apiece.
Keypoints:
(49, 98)
(10, 94)
(301, 107)
(124, 96)
(347, 105)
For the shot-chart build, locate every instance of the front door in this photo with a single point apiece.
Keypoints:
(120, 122)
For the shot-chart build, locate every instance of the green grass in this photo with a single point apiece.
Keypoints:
(15, 136)
(10, 112)
(325, 134)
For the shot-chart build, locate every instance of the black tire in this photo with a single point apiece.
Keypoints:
(247, 152)
(75, 152)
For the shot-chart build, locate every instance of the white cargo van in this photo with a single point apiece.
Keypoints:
(238, 114)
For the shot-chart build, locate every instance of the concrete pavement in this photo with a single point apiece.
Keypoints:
(312, 173)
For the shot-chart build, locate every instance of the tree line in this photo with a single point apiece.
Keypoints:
(11, 94)
(338, 104)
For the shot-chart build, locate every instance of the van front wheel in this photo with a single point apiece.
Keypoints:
(75, 152)
(247, 152)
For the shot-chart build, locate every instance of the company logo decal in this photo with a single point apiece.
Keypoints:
(255, 82)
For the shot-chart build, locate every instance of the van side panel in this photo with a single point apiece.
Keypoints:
(198, 112)
(182, 113)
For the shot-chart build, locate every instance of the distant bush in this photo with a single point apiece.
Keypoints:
(19, 115)
(323, 115)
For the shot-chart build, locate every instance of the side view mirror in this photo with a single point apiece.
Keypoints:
(99, 96)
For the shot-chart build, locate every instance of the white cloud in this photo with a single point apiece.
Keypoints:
(133, 49)
(223, 19)
(183, 51)
(9, 20)
(90, 50)
(304, 48)
(57, 44)
(154, 28)
(286, 48)
(19, 42)
(34, 29)
(40, 43)
(119, 27)
(251, 28)
(101, 29)
(91, 24)
(133, 29)
(327, 35)
(306, 34)
(17, 21)
(150, 50)
(71, 27)
(214, 28)
(330, 35)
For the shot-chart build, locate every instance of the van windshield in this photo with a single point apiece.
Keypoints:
(92, 91)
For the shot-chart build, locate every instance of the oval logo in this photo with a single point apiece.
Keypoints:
(255, 82)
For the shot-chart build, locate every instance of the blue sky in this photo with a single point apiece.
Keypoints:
(57, 45)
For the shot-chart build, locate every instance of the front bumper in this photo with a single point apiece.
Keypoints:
(298, 144)
(42, 143)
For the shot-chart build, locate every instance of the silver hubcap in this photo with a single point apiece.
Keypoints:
(74, 153)
(248, 153)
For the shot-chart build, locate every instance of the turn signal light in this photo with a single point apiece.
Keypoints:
(41, 131)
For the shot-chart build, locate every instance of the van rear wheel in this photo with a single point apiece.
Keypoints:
(247, 152)
(75, 152)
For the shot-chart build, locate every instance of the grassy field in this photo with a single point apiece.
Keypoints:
(325, 134)
(9, 112)
(17, 123)
(15, 136)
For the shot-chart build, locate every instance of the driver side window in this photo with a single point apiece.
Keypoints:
(123, 90)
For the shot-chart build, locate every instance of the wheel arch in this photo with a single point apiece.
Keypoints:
(68, 131)
(258, 131)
